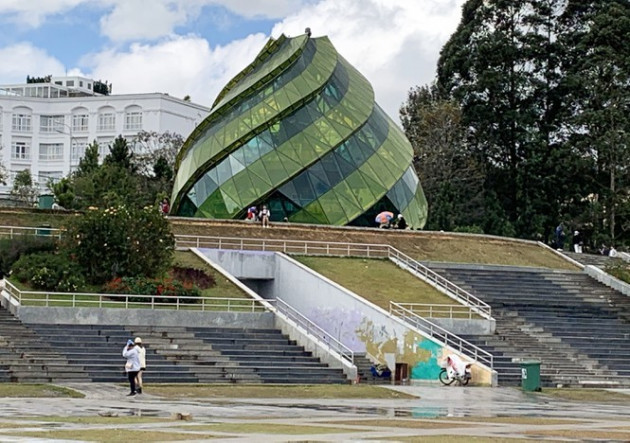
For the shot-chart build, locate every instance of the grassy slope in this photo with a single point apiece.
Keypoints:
(434, 246)
(379, 281)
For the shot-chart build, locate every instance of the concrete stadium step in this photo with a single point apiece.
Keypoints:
(564, 311)
(183, 354)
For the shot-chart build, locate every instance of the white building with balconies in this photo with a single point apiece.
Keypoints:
(46, 126)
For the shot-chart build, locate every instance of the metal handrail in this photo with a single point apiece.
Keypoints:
(442, 335)
(314, 330)
(98, 300)
(15, 231)
(465, 297)
(436, 309)
(308, 247)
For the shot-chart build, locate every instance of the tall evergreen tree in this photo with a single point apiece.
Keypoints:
(599, 73)
(120, 155)
(505, 66)
(450, 176)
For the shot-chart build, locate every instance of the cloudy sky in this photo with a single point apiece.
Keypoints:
(193, 47)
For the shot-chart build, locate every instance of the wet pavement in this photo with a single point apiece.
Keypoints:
(533, 415)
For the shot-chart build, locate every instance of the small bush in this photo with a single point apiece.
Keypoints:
(198, 277)
(11, 249)
(619, 269)
(120, 242)
(49, 271)
(163, 290)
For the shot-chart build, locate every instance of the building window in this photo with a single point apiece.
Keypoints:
(20, 151)
(21, 123)
(133, 121)
(80, 123)
(106, 122)
(70, 83)
(78, 150)
(51, 123)
(51, 151)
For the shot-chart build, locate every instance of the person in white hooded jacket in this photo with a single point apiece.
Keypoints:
(143, 363)
(132, 367)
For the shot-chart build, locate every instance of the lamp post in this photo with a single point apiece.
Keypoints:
(69, 133)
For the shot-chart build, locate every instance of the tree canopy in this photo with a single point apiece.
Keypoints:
(541, 88)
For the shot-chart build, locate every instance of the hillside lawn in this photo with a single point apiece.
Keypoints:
(421, 245)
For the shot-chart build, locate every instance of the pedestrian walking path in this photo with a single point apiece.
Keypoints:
(456, 412)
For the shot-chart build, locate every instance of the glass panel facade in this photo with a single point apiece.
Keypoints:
(327, 154)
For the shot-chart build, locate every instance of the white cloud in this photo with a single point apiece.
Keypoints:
(142, 19)
(394, 44)
(126, 20)
(33, 12)
(179, 66)
(24, 59)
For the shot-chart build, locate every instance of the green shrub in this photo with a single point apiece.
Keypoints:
(163, 290)
(196, 276)
(619, 269)
(11, 249)
(120, 242)
(49, 272)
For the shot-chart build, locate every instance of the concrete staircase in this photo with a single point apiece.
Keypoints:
(190, 355)
(601, 261)
(576, 326)
(270, 355)
(25, 358)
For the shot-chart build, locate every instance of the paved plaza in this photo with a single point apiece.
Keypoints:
(441, 413)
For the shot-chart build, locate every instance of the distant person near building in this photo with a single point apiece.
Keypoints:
(560, 236)
(265, 214)
(401, 223)
(577, 242)
(142, 354)
(132, 367)
(252, 214)
(165, 206)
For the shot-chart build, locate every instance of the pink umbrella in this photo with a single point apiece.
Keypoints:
(384, 217)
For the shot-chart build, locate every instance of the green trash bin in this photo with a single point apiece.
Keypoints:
(530, 375)
(44, 230)
(46, 201)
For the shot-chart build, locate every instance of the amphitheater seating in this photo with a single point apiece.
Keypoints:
(578, 327)
(179, 354)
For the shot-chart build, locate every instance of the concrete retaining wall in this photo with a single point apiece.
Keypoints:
(144, 317)
(361, 325)
(463, 326)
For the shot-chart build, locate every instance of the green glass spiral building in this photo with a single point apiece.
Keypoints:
(298, 130)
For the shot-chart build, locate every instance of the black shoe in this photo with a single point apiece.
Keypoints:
(139, 391)
(131, 393)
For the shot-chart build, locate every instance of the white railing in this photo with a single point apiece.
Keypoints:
(440, 310)
(463, 296)
(315, 331)
(339, 249)
(442, 335)
(303, 247)
(18, 231)
(127, 301)
(286, 246)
